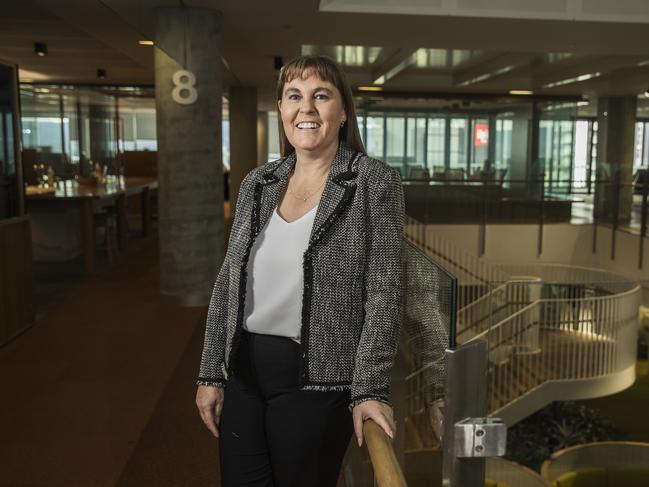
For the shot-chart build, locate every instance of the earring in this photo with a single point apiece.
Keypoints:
(342, 124)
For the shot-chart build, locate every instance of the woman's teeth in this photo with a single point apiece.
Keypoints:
(308, 125)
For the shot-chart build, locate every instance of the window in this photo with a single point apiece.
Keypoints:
(503, 149)
(415, 152)
(479, 144)
(395, 140)
(374, 144)
(459, 141)
(436, 147)
(581, 160)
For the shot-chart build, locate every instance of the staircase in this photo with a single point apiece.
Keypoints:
(555, 332)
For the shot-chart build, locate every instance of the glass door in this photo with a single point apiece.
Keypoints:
(11, 199)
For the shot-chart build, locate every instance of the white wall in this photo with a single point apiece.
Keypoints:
(562, 243)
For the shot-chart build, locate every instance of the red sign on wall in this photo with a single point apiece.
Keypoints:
(481, 135)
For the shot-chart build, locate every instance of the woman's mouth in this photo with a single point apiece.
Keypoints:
(308, 125)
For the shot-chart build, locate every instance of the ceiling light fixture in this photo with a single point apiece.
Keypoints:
(521, 92)
(40, 49)
(370, 88)
(101, 73)
(145, 42)
(486, 76)
(576, 79)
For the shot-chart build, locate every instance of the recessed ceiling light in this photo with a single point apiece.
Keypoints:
(370, 88)
(40, 49)
(145, 42)
(521, 92)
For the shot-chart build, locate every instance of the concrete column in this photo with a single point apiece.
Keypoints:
(523, 165)
(190, 173)
(243, 137)
(616, 116)
(262, 137)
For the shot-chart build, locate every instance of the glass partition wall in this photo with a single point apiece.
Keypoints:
(500, 160)
(11, 199)
(556, 141)
(74, 129)
(420, 143)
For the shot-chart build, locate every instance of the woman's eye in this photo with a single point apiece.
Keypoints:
(321, 96)
(293, 97)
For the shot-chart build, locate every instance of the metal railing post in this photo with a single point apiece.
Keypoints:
(467, 439)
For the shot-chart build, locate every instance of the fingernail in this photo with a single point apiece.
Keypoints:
(391, 435)
(359, 441)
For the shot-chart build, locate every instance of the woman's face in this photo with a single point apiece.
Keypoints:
(312, 111)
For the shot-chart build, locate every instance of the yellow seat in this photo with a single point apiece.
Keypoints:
(592, 477)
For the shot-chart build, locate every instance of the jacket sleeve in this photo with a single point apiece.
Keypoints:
(213, 355)
(383, 287)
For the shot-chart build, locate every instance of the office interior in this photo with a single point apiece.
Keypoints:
(521, 134)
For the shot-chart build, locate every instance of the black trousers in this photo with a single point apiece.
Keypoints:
(272, 433)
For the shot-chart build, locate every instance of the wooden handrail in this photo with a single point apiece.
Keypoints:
(387, 471)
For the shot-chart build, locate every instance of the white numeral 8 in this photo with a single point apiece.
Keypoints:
(184, 91)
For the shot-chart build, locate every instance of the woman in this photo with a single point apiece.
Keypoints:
(304, 320)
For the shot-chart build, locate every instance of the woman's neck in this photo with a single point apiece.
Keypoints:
(312, 164)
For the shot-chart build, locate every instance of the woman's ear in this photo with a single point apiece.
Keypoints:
(279, 105)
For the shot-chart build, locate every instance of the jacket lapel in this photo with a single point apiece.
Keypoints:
(338, 191)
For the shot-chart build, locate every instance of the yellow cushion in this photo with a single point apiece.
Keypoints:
(592, 477)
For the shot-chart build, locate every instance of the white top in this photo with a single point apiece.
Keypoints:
(275, 277)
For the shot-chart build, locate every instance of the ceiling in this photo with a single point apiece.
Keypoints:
(419, 56)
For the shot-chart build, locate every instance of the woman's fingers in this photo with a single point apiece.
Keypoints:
(208, 418)
(385, 423)
(210, 402)
(358, 426)
(376, 411)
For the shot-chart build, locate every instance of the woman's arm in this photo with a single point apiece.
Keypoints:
(383, 289)
(214, 343)
(215, 330)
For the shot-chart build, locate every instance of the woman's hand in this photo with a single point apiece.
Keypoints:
(210, 403)
(379, 412)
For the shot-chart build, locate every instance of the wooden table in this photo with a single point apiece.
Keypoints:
(70, 194)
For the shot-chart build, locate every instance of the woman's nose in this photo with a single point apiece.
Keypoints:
(307, 106)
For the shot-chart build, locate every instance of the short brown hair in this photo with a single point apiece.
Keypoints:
(328, 70)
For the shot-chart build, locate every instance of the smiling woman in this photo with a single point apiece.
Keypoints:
(303, 324)
(323, 84)
(312, 114)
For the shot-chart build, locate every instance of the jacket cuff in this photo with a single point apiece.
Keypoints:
(203, 381)
(359, 399)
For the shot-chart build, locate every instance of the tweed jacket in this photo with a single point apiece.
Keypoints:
(352, 295)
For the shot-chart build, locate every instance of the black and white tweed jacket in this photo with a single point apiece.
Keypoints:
(351, 302)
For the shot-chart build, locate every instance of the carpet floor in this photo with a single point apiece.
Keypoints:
(100, 391)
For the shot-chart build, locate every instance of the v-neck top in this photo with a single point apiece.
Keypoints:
(275, 278)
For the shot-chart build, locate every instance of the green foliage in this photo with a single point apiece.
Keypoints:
(557, 426)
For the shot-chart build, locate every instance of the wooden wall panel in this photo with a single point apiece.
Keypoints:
(16, 277)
